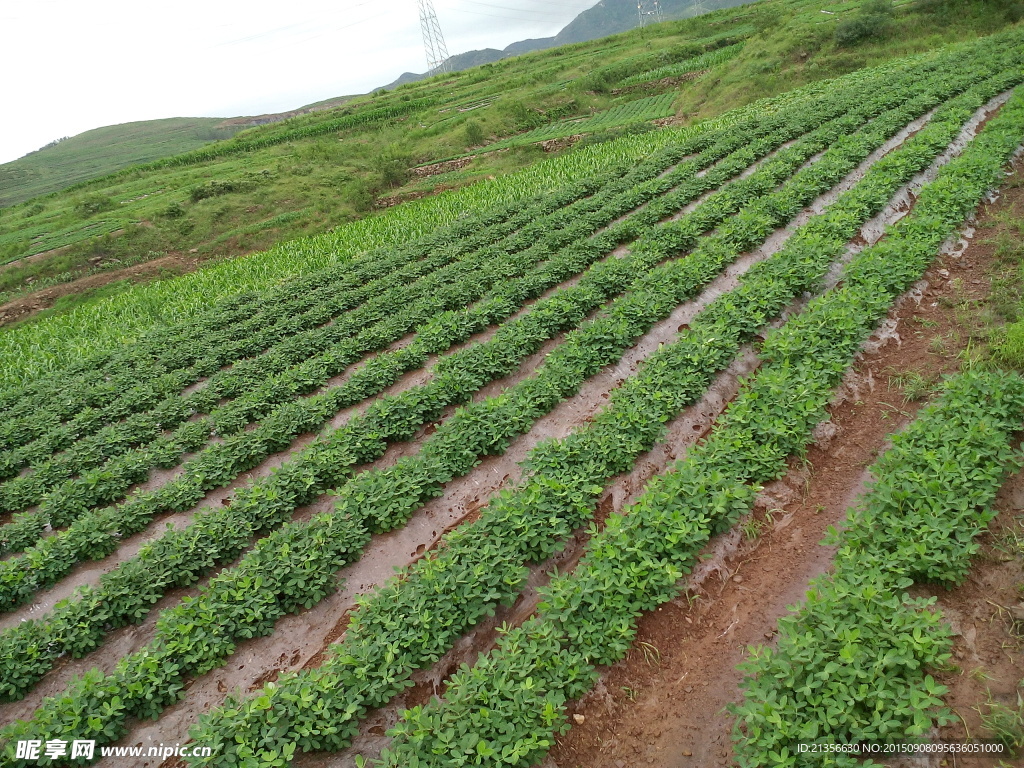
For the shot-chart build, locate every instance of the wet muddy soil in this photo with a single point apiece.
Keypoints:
(664, 705)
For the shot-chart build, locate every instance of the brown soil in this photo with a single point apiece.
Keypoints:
(21, 308)
(393, 200)
(557, 145)
(434, 169)
(664, 704)
(664, 84)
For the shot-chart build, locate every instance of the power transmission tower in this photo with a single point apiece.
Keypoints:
(699, 8)
(433, 40)
(649, 12)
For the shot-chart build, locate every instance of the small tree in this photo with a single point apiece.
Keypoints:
(92, 204)
(393, 167)
(358, 194)
(861, 28)
(474, 134)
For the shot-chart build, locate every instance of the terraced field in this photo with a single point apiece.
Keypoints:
(542, 414)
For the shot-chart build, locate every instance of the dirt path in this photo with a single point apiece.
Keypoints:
(664, 704)
(26, 306)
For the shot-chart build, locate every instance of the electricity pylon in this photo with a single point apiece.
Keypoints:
(433, 39)
(699, 8)
(649, 12)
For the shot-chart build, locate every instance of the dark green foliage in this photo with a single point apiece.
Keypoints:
(174, 211)
(392, 166)
(474, 134)
(93, 203)
(213, 188)
(861, 28)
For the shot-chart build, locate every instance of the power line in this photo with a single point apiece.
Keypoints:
(527, 11)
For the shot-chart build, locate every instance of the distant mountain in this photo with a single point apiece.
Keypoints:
(470, 59)
(608, 17)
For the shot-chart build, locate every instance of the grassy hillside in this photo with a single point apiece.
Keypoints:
(308, 174)
(608, 17)
(103, 150)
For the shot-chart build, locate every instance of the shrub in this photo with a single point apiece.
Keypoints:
(213, 188)
(392, 165)
(92, 204)
(861, 28)
(474, 134)
(358, 195)
(173, 211)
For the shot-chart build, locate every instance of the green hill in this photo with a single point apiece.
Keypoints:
(103, 150)
(607, 17)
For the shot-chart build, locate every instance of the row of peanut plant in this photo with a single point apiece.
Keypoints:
(318, 549)
(37, 643)
(509, 707)
(55, 555)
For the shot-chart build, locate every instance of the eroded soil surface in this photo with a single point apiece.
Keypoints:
(37, 301)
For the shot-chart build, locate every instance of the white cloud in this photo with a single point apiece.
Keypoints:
(71, 66)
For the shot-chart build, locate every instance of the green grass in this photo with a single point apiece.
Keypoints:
(797, 44)
(102, 151)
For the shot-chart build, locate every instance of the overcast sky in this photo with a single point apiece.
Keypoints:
(71, 65)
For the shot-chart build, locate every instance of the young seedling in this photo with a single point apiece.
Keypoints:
(752, 528)
(651, 654)
(1006, 724)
